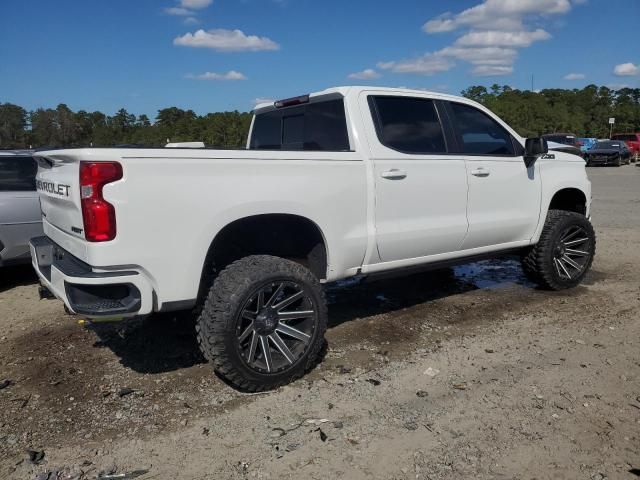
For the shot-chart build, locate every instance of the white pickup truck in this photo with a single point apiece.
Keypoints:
(348, 181)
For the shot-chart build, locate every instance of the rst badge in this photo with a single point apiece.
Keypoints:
(53, 188)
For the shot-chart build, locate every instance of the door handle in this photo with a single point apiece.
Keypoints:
(394, 174)
(480, 172)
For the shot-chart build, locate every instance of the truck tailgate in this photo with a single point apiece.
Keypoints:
(57, 182)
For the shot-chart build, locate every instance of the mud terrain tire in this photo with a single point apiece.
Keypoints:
(551, 262)
(242, 301)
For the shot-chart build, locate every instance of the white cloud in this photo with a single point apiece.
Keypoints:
(481, 55)
(186, 8)
(493, 31)
(225, 41)
(366, 74)
(178, 11)
(574, 76)
(443, 23)
(230, 75)
(626, 70)
(492, 70)
(493, 38)
(427, 64)
(195, 4)
(496, 15)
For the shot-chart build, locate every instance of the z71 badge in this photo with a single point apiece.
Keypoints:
(550, 156)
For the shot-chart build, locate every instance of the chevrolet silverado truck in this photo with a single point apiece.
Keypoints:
(350, 181)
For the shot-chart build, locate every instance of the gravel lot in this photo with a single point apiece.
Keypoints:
(463, 373)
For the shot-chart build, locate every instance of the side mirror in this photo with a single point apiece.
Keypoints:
(533, 148)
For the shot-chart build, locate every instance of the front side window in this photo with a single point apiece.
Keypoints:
(17, 174)
(409, 125)
(478, 133)
(320, 126)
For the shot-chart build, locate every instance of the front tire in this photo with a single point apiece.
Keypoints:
(564, 253)
(263, 322)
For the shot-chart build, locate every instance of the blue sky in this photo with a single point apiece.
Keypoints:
(223, 54)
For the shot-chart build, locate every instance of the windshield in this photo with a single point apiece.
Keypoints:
(609, 145)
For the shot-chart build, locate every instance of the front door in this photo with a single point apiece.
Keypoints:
(504, 195)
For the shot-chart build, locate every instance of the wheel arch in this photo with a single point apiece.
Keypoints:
(570, 199)
(286, 235)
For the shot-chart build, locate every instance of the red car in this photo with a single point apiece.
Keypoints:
(633, 142)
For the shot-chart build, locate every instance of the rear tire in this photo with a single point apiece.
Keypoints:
(564, 253)
(262, 324)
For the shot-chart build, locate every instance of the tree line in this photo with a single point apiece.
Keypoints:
(62, 127)
(584, 112)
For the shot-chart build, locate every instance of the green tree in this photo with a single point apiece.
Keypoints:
(13, 121)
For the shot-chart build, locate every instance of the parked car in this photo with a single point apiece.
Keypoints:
(586, 143)
(569, 140)
(560, 147)
(20, 217)
(633, 142)
(351, 181)
(609, 152)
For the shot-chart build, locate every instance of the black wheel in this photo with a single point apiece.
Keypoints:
(618, 162)
(564, 253)
(263, 322)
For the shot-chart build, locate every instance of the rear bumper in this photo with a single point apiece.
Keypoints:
(94, 294)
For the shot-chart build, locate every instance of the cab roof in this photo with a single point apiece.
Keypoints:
(355, 90)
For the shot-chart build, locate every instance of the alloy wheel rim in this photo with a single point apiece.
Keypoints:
(572, 253)
(275, 326)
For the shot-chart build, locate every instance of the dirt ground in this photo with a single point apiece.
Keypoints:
(464, 373)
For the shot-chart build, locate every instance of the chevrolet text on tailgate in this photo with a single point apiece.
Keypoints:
(348, 181)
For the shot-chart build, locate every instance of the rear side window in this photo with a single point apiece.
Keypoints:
(17, 174)
(406, 124)
(320, 126)
(479, 134)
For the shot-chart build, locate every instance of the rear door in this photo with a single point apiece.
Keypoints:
(420, 191)
(504, 195)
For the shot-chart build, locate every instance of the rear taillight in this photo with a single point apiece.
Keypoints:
(98, 215)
